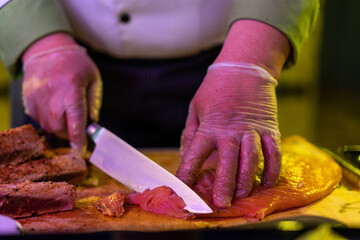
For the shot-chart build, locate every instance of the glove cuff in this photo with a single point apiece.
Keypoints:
(251, 68)
(53, 50)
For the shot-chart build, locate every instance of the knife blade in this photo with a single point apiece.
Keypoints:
(130, 167)
(9, 227)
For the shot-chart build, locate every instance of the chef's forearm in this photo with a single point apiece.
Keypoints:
(24, 22)
(295, 19)
(258, 43)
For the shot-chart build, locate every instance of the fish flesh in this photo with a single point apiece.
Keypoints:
(161, 200)
(307, 175)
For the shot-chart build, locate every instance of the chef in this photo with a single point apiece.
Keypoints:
(210, 65)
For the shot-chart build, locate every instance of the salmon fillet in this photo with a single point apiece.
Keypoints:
(63, 164)
(27, 198)
(307, 175)
(19, 145)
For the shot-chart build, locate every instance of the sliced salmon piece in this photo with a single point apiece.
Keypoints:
(307, 175)
(162, 200)
(112, 205)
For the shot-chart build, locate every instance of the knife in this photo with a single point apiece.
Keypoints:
(130, 167)
(9, 227)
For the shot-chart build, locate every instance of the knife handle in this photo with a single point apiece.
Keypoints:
(93, 130)
(352, 153)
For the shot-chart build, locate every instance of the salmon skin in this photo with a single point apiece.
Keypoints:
(307, 175)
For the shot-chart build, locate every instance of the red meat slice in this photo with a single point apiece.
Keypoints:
(162, 200)
(19, 145)
(112, 205)
(62, 164)
(29, 199)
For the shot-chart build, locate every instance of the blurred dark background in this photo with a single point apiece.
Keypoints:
(339, 115)
(319, 97)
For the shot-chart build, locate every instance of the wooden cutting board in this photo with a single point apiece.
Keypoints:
(342, 205)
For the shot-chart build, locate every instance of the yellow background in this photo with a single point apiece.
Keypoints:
(4, 99)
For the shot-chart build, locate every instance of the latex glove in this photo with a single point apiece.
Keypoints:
(234, 112)
(61, 87)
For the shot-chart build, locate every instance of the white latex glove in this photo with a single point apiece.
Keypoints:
(234, 112)
(61, 87)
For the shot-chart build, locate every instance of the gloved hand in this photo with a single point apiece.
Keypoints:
(234, 112)
(61, 87)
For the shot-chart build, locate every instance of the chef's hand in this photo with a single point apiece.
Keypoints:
(234, 113)
(61, 87)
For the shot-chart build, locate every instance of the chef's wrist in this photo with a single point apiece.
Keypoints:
(47, 43)
(256, 43)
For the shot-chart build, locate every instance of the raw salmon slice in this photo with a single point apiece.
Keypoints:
(307, 175)
(162, 200)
